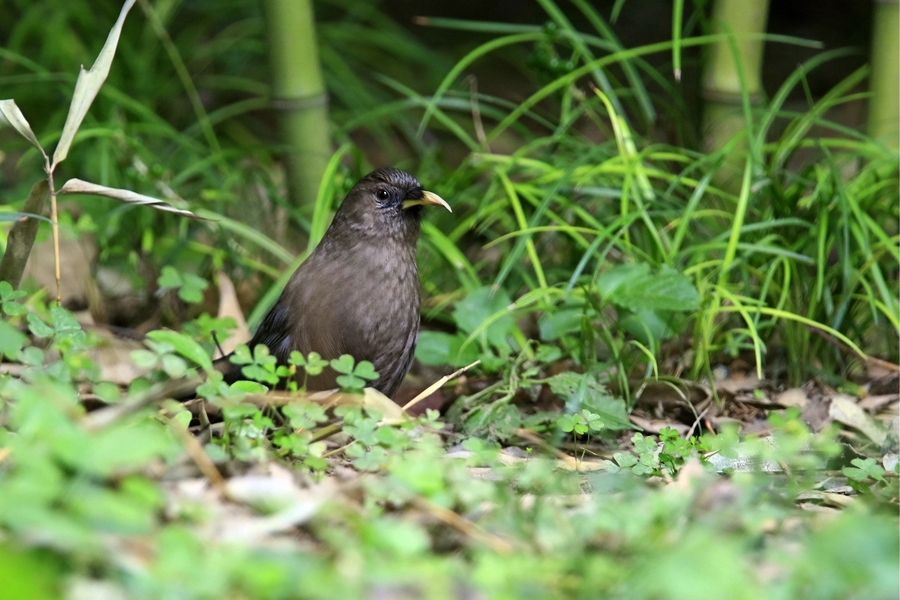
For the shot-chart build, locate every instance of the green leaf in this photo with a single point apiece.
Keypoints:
(373, 460)
(108, 392)
(8, 297)
(481, 306)
(462, 352)
(11, 339)
(241, 355)
(397, 537)
(350, 382)
(263, 356)
(192, 290)
(144, 359)
(646, 325)
(123, 446)
(433, 348)
(864, 469)
(583, 392)
(63, 320)
(32, 356)
(315, 364)
(30, 573)
(547, 354)
(625, 460)
(38, 327)
(638, 287)
(249, 387)
(7, 292)
(174, 366)
(258, 373)
(170, 278)
(183, 345)
(13, 309)
(304, 416)
(559, 322)
(344, 364)
(365, 370)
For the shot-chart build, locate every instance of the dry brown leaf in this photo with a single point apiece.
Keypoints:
(690, 474)
(113, 356)
(793, 397)
(844, 409)
(740, 383)
(826, 498)
(230, 307)
(874, 403)
(76, 257)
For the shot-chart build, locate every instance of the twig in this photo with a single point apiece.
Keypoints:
(846, 350)
(170, 389)
(543, 445)
(200, 458)
(437, 384)
(464, 526)
(476, 113)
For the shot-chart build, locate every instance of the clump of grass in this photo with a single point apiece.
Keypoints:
(792, 265)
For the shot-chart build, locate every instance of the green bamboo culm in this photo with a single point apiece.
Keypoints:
(733, 78)
(298, 93)
(884, 117)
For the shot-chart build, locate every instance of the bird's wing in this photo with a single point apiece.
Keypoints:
(275, 332)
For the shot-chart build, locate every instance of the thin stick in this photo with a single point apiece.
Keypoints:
(437, 384)
(464, 525)
(871, 360)
(54, 226)
(537, 441)
(200, 458)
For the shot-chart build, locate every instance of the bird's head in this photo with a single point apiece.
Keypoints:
(386, 202)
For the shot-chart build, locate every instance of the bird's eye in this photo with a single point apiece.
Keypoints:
(382, 194)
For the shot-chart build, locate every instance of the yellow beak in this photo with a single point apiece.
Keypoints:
(428, 198)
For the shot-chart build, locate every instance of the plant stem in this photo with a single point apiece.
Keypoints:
(298, 92)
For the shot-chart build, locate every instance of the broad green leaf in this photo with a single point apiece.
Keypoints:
(433, 347)
(461, 353)
(30, 572)
(344, 364)
(557, 323)
(249, 387)
(645, 324)
(110, 510)
(365, 370)
(38, 327)
(124, 446)
(583, 392)
(169, 278)
(482, 306)
(11, 339)
(184, 345)
(350, 382)
(638, 287)
(174, 366)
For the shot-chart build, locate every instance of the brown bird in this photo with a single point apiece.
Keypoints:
(358, 292)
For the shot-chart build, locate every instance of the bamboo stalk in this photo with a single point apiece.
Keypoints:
(298, 92)
(884, 114)
(733, 68)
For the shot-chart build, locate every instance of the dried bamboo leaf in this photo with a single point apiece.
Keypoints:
(77, 186)
(12, 115)
(87, 86)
